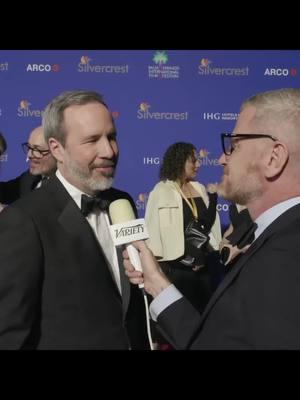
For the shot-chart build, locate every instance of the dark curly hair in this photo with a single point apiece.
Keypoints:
(3, 145)
(174, 160)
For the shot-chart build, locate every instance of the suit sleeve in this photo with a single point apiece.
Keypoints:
(20, 278)
(180, 324)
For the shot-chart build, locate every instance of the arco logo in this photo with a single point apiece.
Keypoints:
(281, 72)
(42, 68)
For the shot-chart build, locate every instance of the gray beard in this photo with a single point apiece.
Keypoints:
(89, 182)
(103, 185)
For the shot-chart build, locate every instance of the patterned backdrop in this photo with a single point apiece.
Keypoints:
(157, 97)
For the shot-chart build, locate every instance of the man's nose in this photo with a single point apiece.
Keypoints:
(106, 149)
(222, 159)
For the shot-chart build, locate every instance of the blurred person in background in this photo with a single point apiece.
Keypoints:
(183, 224)
(3, 147)
(41, 165)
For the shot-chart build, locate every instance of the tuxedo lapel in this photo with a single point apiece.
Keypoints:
(76, 225)
(125, 285)
(73, 221)
(231, 274)
(111, 195)
(28, 182)
(281, 222)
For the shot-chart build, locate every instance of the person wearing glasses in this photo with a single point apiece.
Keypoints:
(3, 145)
(41, 165)
(256, 306)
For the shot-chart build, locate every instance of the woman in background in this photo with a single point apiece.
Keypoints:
(183, 224)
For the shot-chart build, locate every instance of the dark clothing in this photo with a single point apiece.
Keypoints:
(256, 306)
(56, 289)
(12, 190)
(196, 285)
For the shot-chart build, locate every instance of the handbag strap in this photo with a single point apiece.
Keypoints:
(191, 203)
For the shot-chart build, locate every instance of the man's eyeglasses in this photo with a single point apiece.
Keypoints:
(229, 139)
(37, 153)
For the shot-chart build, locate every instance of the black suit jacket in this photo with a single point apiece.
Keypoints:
(12, 190)
(256, 306)
(55, 287)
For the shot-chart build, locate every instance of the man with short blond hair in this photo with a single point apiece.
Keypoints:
(256, 306)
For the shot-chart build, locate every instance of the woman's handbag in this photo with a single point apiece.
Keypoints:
(196, 234)
(196, 241)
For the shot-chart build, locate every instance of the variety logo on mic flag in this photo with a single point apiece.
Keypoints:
(130, 231)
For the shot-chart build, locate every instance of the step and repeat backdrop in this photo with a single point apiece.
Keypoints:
(157, 97)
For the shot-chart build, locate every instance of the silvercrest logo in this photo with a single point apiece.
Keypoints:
(130, 230)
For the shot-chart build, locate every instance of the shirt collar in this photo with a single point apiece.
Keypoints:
(267, 217)
(73, 191)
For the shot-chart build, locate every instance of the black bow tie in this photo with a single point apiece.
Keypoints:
(44, 180)
(88, 204)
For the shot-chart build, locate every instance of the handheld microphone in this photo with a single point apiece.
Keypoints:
(126, 229)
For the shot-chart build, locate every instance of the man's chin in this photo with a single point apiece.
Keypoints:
(104, 184)
(227, 195)
(34, 172)
(221, 190)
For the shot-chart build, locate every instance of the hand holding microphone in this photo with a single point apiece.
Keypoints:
(127, 229)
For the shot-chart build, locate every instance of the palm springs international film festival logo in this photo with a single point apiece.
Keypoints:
(160, 70)
(145, 113)
(206, 68)
(206, 161)
(24, 110)
(85, 65)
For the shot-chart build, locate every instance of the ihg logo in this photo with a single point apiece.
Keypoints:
(151, 160)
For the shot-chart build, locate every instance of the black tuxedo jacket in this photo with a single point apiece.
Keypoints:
(12, 190)
(256, 306)
(56, 290)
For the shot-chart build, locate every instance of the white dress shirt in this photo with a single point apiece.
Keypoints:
(99, 222)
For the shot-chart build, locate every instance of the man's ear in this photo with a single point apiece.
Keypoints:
(277, 160)
(56, 149)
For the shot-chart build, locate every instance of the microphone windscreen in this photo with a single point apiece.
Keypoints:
(121, 211)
